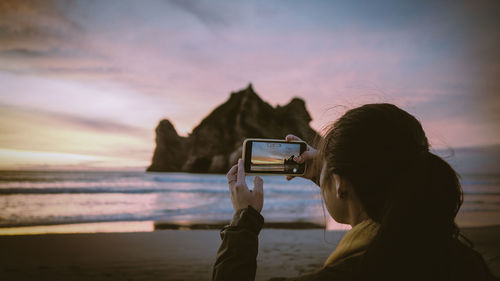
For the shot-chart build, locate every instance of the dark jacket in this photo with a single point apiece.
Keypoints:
(236, 257)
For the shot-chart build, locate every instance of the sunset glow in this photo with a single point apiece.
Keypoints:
(266, 160)
(84, 84)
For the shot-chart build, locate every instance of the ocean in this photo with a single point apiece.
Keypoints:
(41, 198)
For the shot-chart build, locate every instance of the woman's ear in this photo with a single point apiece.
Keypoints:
(340, 186)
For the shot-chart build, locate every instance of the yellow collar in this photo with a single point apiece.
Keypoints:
(354, 242)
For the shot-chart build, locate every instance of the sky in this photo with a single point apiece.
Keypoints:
(84, 83)
(262, 153)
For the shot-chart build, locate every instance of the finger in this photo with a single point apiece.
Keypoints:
(298, 159)
(291, 137)
(232, 173)
(306, 155)
(240, 180)
(289, 177)
(258, 187)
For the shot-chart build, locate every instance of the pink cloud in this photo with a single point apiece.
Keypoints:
(179, 61)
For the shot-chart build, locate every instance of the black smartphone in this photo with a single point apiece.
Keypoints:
(270, 156)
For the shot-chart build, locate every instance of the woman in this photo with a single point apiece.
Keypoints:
(375, 173)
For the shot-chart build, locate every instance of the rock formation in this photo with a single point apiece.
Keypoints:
(215, 144)
(170, 153)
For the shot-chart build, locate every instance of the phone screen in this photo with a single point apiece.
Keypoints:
(275, 157)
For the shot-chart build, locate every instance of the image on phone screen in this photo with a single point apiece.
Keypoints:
(274, 157)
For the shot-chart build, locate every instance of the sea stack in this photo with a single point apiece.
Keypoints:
(215, 144)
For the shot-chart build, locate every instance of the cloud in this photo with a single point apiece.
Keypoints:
(208, 12)
(32, 130)
(136, 62)
(26, 53)
(36, 37)
(24, 22)
(97, 125)
(85, 99)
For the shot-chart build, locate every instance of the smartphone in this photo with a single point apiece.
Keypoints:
(271, 156)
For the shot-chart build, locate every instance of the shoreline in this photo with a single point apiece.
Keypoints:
(151, 226)
(219, 225)
(143, 226)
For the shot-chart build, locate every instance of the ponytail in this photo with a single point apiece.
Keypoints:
(416, 223)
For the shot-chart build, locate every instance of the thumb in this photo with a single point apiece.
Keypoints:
(291, 137)
(306, 155)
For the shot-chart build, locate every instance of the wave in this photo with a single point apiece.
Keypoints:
(57, 190)
(144, 187)
(190, 180)
(494, 193)
(9, 191)
(490, 182)
(480, 202)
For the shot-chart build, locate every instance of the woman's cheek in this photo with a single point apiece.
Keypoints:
(336, 207)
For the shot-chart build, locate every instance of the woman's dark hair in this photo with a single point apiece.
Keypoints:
(414, 194)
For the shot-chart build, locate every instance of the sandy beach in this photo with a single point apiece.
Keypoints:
(178, 254)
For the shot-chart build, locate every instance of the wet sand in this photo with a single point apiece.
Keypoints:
(178, 254)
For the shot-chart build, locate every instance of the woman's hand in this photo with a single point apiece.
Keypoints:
(308, 157)
(241, 196)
